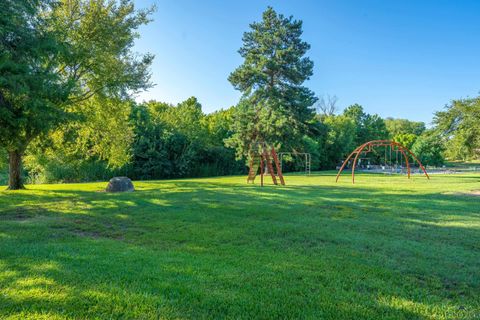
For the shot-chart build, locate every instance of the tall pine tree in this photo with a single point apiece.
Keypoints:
(274, 107)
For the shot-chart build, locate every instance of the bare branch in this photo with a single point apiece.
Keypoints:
(327, 105)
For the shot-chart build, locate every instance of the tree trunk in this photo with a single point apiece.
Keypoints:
(15, 170)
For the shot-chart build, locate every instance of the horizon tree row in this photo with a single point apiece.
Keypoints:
(68, 77)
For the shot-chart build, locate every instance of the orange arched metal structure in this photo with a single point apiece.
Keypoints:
(379, 143)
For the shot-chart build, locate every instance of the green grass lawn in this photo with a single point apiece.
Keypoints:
(385, 248)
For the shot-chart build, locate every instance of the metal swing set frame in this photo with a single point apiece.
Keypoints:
(369, 147)
(300, 155)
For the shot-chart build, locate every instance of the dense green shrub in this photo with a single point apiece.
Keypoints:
(429, 148)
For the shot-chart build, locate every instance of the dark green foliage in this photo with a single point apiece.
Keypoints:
(338, 135)
(43, 169)
(275, 106)
(459, 125)
(149, 153)
(3, 167)
(340, 139)
(3, 159)
(296, 161)
(157, 139)
(33, 94)
(429, 148)
(57, 56)
(180, 141)
(367, 127)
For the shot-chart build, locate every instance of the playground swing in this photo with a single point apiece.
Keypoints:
(388, 163)
(396, 162)
(304, 157)
(369, 147)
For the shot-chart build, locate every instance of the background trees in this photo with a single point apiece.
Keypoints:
(429, 148)
(179, 141)
(367, 127)
(405, 139)
(338, 135)
(459, 125)
(339, 141)
(404, 126)
(88, 147)
(404, 131)
(100, 35)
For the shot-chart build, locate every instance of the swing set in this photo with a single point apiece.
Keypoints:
(304, 157)
(370, 146)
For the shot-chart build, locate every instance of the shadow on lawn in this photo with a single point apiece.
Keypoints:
(173, 291)
(242, 251)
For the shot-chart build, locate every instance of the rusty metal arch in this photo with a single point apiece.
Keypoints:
(380, 143)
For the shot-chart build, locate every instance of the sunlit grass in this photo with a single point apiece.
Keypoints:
(384, 248)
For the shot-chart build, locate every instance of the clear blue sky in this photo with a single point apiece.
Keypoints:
(402, 59)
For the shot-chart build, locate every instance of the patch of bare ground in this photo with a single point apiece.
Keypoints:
(21, 213)
(97, 230)
(474, 193)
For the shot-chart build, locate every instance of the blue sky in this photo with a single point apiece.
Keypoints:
(404, 59)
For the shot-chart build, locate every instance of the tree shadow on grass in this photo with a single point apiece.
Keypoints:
(172, 285)
(207, 250)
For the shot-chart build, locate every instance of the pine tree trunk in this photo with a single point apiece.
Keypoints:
(15, 170)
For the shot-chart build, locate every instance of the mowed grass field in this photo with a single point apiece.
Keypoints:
(384, 248)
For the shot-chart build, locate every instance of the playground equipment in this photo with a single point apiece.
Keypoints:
(308, 160)
(261, 156)
(369, 147)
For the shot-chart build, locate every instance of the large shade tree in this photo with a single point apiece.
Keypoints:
(33, 94)
(275, 106)
(54, 56)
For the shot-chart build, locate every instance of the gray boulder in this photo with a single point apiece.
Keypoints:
(120, 184)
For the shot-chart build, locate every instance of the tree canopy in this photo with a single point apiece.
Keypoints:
(404, 126)
(33, 94)
(54, 57)
(459, 125)
(429, 148)
(367, 127)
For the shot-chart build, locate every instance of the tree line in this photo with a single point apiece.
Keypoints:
(68, 78)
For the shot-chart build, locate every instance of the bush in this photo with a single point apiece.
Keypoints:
(44, 169)
(429, 149)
